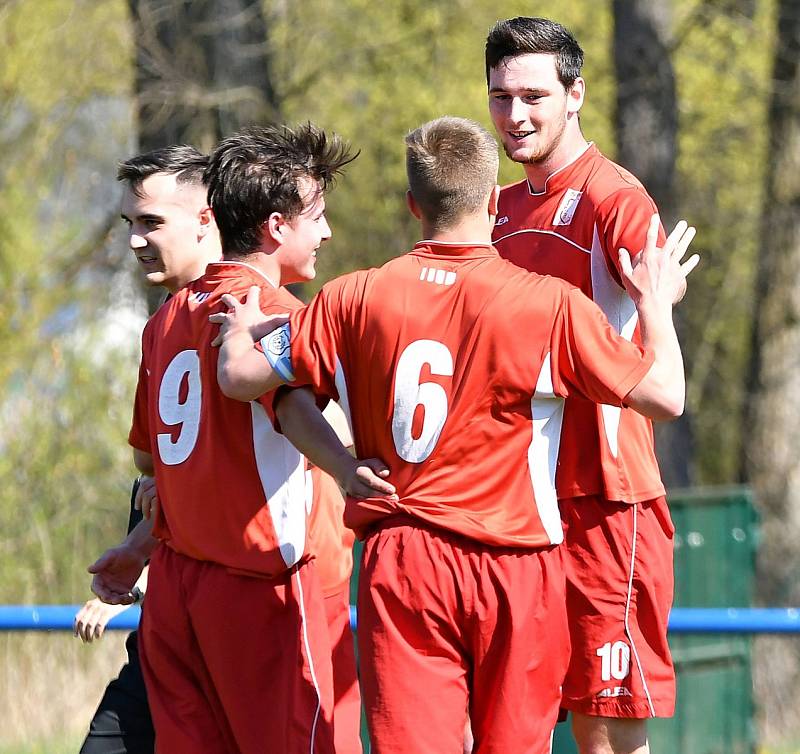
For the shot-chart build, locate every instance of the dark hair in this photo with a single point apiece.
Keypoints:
(183, 161)
(452, 166)
(255, 173)
(524, 35)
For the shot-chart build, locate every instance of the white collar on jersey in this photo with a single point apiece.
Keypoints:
(574, 159)
(249, 267)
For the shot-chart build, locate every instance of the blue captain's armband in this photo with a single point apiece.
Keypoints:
(278, 350)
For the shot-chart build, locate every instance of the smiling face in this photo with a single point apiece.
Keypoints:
(167, 225)
(302, 236)
(535, 117)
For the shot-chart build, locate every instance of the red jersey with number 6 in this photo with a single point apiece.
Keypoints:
(453, 364)
(231, 489)
(573, 229)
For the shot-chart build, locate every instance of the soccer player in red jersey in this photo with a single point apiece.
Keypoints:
(234, 642)
(455, 364)
(567, 218)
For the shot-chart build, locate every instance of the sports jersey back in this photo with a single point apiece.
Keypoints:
(231, 489)
(573, 230)
(452, 364)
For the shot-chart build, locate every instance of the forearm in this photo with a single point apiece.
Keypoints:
(243, 373)
(307, 429)
(141, 539)
(662, 392)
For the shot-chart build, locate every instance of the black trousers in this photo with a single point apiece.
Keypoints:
(122, 723)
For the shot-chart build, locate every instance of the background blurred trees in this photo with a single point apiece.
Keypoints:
(684, 93)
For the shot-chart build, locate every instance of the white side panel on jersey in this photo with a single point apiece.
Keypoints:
(547, 411)
(344, 401)
(281, 469)
(309, 491)
(621, 313)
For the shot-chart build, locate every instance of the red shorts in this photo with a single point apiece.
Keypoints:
(618, 561)
(234, 663)
(346, 694)
(447, 625)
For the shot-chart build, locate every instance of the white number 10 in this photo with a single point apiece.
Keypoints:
(409, 393)
(173, 412)
(615, 660)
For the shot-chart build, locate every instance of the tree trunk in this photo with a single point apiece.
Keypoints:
(646, 130)
(202, 72)
(771, 457)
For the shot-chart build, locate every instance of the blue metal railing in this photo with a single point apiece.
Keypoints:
(683, 620)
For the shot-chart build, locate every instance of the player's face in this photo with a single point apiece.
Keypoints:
(529, 106)
(165, 226)
(305, 235)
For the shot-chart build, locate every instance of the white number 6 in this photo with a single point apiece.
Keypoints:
(172, 411)
(409, 393)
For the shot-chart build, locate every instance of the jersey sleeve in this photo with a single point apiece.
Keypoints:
(622, 222)
(139, 436)
(313, 340)
(270, 400)
(587, 356)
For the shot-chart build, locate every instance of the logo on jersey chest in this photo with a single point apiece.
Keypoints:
(566, 210)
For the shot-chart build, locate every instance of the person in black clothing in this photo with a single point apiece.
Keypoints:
(121, 724)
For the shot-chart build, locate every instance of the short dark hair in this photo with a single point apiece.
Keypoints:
(183, 161)
(452, 166)
(255, 173)
(526, 34)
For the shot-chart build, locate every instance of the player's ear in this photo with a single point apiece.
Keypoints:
(575, 95)
(206, 216)
(412, 205)
(494, 200)
(275, 227)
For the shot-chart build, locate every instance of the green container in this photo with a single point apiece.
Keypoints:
(716, 534)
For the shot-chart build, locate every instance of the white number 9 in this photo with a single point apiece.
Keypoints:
(409, 393)
(173, 412)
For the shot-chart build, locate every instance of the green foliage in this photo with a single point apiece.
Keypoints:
(723, 67)
(66, 391)
(374, 72)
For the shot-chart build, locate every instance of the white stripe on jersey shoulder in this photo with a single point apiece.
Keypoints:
(281, 469)
(558, 170)
(249, 267)
(547, 413)
(547, 233)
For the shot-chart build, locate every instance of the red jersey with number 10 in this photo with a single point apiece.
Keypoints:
(453, 365)
(573, 230)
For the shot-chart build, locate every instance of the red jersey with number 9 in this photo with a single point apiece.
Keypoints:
(454, 364)
(231, 489)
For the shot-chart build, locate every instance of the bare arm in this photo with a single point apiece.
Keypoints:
(308, 430)
(118, 568)
(242, 372)
(654, 284)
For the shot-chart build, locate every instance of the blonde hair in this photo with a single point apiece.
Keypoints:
(452, 167)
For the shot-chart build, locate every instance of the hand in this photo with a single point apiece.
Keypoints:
(367, 479)
(146, 496)
(115, 574)
(92, 619)
(659, 274)
(245, 318)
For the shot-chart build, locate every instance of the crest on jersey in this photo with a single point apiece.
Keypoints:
(501, 220)
(566, 210)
